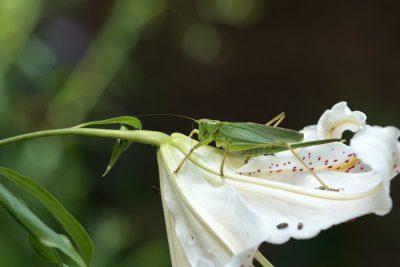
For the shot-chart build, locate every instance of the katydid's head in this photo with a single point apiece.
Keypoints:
(207, 127)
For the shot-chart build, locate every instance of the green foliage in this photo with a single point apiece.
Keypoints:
(121, 145)
(42, 237)
(128, 120)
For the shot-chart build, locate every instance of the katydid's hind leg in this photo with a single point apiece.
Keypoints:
(277, 120)
(190, 152)
(323, 185)
(221, 168)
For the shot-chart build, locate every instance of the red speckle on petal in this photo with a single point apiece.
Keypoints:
(319, 158)
(330, 167)
(335, 160)
(347, 161)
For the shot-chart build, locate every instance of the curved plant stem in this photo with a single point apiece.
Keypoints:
(141, 136)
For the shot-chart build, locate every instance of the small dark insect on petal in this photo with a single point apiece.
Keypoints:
(300, 226)
(282, 226)
(156, 190)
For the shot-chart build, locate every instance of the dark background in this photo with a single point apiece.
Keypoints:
(62, 63)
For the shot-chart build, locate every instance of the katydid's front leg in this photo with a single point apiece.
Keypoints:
(195, 131)
(202, 143)
(324, 186)
(221, 168)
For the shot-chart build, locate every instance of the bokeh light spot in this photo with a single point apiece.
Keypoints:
(202, 43)
(36, 58)
(240, 13)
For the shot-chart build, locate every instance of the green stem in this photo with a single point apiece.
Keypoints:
(262, 260)
(146, 137)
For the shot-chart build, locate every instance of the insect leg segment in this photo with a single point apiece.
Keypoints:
(195, 131)
(325, 186)
(202, 143)
(278, 119)
(221, 169)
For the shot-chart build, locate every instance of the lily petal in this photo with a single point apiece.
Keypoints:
(242, 211)
(290, 194)
(380, 149)
(334, 122)
(214, 226)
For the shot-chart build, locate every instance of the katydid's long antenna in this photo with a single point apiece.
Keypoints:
(165, 114)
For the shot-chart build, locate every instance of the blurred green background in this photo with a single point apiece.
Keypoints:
(64, 62)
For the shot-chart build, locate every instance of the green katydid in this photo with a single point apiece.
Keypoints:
(252, 139)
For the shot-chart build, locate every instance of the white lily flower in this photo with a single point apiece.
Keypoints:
(221, 222)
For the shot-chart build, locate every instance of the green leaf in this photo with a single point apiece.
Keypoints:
(127, 120)
(119, 147)
(67, 221)
(48, 253)
(44, 234)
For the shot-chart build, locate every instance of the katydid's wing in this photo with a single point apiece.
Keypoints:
(247, 132)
